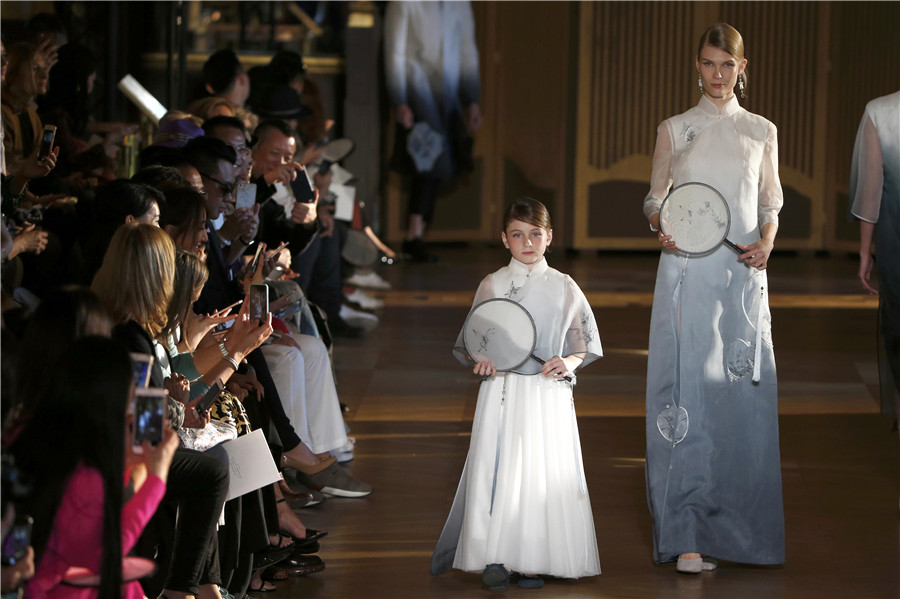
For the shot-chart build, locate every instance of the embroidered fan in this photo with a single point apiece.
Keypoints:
(502, 331)
(697, 218)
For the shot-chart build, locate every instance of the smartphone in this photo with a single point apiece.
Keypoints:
(254, 264)
(210, 397)
(16, 543)
(259, 301)
(303, 188)
(47, 140)
(283, 245)
(149, 412)
(246, 195)
(141, 365)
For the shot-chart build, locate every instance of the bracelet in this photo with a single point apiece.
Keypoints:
(231, 361)
(223, 349)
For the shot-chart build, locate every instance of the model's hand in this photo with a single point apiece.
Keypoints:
(665, 240)
(405, 116)
(866, 263)
(485, 368)
(555, 368)
(756, 254)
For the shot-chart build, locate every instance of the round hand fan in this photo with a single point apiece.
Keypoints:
(697, 218)
(502, 331)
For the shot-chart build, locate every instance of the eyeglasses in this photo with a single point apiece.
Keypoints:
(226, 189)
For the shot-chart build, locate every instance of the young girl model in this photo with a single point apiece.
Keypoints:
(522, 504)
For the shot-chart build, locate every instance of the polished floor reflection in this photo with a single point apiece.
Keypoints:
(412, 405)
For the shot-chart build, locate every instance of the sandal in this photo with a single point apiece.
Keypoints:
(275, 574)
(262, 588)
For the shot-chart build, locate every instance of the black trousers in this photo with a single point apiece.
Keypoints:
(186, 551)
(319, 267)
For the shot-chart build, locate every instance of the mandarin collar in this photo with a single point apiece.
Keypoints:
(731, 106)
(520, 268)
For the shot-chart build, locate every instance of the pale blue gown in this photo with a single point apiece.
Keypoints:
(713, 462)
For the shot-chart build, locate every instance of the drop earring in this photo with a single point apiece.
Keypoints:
(700, 83)
(741, 85)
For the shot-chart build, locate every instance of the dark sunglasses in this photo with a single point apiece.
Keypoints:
(226, 189)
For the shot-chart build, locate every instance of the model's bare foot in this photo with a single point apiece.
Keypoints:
(690, 556)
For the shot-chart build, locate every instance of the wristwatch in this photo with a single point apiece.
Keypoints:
(222, 348)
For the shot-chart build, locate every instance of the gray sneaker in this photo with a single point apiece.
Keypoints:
(334, 480)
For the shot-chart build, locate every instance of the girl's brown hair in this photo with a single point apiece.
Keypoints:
(529, 211)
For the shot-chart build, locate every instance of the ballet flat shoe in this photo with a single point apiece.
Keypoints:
(689, 566)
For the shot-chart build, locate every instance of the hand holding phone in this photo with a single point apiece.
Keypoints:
(209, 397)
(16, 543)
(259, 302)
(47, 139)
(303, 188)
(149, 417)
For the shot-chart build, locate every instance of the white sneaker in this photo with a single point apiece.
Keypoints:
(344, 453)
(370, 280)
(360, 298)
(358, 318)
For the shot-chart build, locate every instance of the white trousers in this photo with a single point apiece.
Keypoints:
(305, 382)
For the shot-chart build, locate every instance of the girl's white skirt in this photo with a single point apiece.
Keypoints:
(526, 499)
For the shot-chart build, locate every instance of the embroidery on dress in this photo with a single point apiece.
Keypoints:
(587, 329)
(739, 359)
(688, 131)
(513, 290)
(673, 423)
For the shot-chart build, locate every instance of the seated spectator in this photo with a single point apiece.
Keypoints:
(116, 203)
(67, 105)
(27, 76)
(135, 284)
(80, 516)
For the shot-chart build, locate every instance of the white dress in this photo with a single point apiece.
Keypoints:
(713, 461)
(522, 498)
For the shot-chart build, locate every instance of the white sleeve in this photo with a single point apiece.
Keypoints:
(396, 30)
(866, 173)
(661, 177)
(468, 64)
(771, 196)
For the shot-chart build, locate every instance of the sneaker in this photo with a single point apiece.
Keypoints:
(369, 280)
(366, 302)
(344, 453)
(358, 318)
(335, 481)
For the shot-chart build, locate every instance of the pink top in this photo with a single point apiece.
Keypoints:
(77, 537)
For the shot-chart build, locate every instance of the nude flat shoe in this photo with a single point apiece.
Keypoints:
(689, 566)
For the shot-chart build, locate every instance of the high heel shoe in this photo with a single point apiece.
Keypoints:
(289, 462)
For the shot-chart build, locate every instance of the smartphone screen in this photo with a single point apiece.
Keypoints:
(246, 195)
(149, 411)
(303, 189)
(47, 140)
(16, 543)
(141, 365)
(259, 302)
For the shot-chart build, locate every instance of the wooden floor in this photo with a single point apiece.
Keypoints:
(412, 405)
